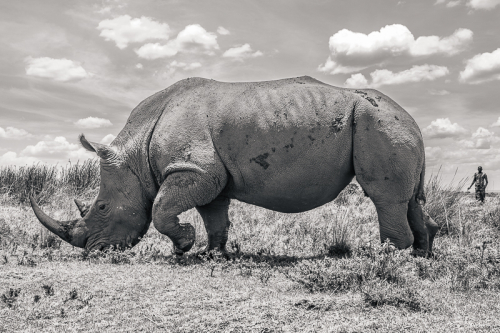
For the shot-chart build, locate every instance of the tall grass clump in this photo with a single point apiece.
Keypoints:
(44, 181)
(19, 182)
(444, 202)
(81, 177)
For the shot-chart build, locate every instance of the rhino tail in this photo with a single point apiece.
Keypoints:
(420, 195)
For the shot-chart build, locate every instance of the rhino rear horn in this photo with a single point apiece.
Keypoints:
(82, 207)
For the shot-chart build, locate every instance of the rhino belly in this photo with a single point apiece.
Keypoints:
(288, 170)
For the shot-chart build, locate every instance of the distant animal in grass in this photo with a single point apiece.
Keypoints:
(288, 145)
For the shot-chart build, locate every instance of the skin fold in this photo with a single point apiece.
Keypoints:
(289, 145)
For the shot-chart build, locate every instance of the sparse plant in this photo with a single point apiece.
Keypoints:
(379, 294)
(9, 298)
(48, 289)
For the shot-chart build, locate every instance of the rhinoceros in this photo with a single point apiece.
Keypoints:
(288, 145)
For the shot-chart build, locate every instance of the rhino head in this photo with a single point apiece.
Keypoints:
(120, 214)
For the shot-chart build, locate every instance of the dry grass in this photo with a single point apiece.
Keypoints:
(318, 271)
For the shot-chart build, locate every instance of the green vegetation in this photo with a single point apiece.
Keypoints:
(320, 271)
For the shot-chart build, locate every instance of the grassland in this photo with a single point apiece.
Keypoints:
(320, 271)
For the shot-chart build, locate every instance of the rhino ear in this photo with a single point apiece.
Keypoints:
(103, 151)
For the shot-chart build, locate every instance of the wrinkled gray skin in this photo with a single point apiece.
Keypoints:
(289, 145)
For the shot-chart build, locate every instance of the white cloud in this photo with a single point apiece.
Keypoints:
(11, 158)
(382, 77)
(14, 133)
(481, 68)
(124, 30)
(443, 128)
(333, 67)
(481, 139)
(107, 139)
(352, 51)
(438, 92)
(185, 66)
(496, 124)
(93, 122)
(453, 3)
(241, 52)
(193, 39)
(59, 148)
(483, 4)
(153, 51)
(104, 10)
(57, 69)
(139, 66)
(474, 4)
(223, 31)
(415, 74)
(432, 153)
(448, 45)
(357, 81)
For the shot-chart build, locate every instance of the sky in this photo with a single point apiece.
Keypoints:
(71, 67)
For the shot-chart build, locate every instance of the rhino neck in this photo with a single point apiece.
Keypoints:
(134, 139)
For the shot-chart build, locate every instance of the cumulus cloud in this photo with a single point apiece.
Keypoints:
(473, 4)
(124, 30)
(108, 139)
(357, 81)
(351, 51)
(443, 128)
(11, 158)
(432, 153)
(496, 123)
(483, 67)
(14, 133)
(438, 92)
(241, 52)
(56, 69)
(382, 77)
(483, 4)
(450, 45)
(59, 148)
(453, 3)
(153, 51)
(185, 66)
(93, 122)
(139, 66)
(195, 38)
(192, 39)
(223, 31)
(481, 139)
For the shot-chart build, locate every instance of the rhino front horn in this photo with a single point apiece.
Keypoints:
(73, 232)
(82, 207)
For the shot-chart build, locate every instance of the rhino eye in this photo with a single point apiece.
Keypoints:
(102, 206)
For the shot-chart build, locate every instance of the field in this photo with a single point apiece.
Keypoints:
(320, 271)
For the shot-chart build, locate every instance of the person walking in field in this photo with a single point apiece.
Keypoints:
(481, 181)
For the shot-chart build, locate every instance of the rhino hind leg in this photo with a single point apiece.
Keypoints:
(180, 192)
(422, 225)
(393, 223)
(216, 218)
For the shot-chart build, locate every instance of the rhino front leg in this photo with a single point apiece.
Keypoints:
(216, 219)
(180, 192)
